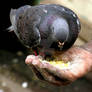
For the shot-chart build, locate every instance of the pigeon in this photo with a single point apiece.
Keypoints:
(45, 27)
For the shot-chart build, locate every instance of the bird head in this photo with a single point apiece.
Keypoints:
(45, 26)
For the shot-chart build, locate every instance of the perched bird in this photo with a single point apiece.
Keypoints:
(44, 27)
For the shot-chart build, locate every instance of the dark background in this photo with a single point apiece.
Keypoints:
(8, 40)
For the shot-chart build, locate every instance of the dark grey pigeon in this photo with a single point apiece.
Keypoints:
(45, 26)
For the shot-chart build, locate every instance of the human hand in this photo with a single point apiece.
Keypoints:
(80, 62)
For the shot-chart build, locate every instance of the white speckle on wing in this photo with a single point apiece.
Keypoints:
(63, 9)
(74, 15)
(45, 10)
(78, 22)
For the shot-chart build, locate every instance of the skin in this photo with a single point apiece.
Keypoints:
(79, 57)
